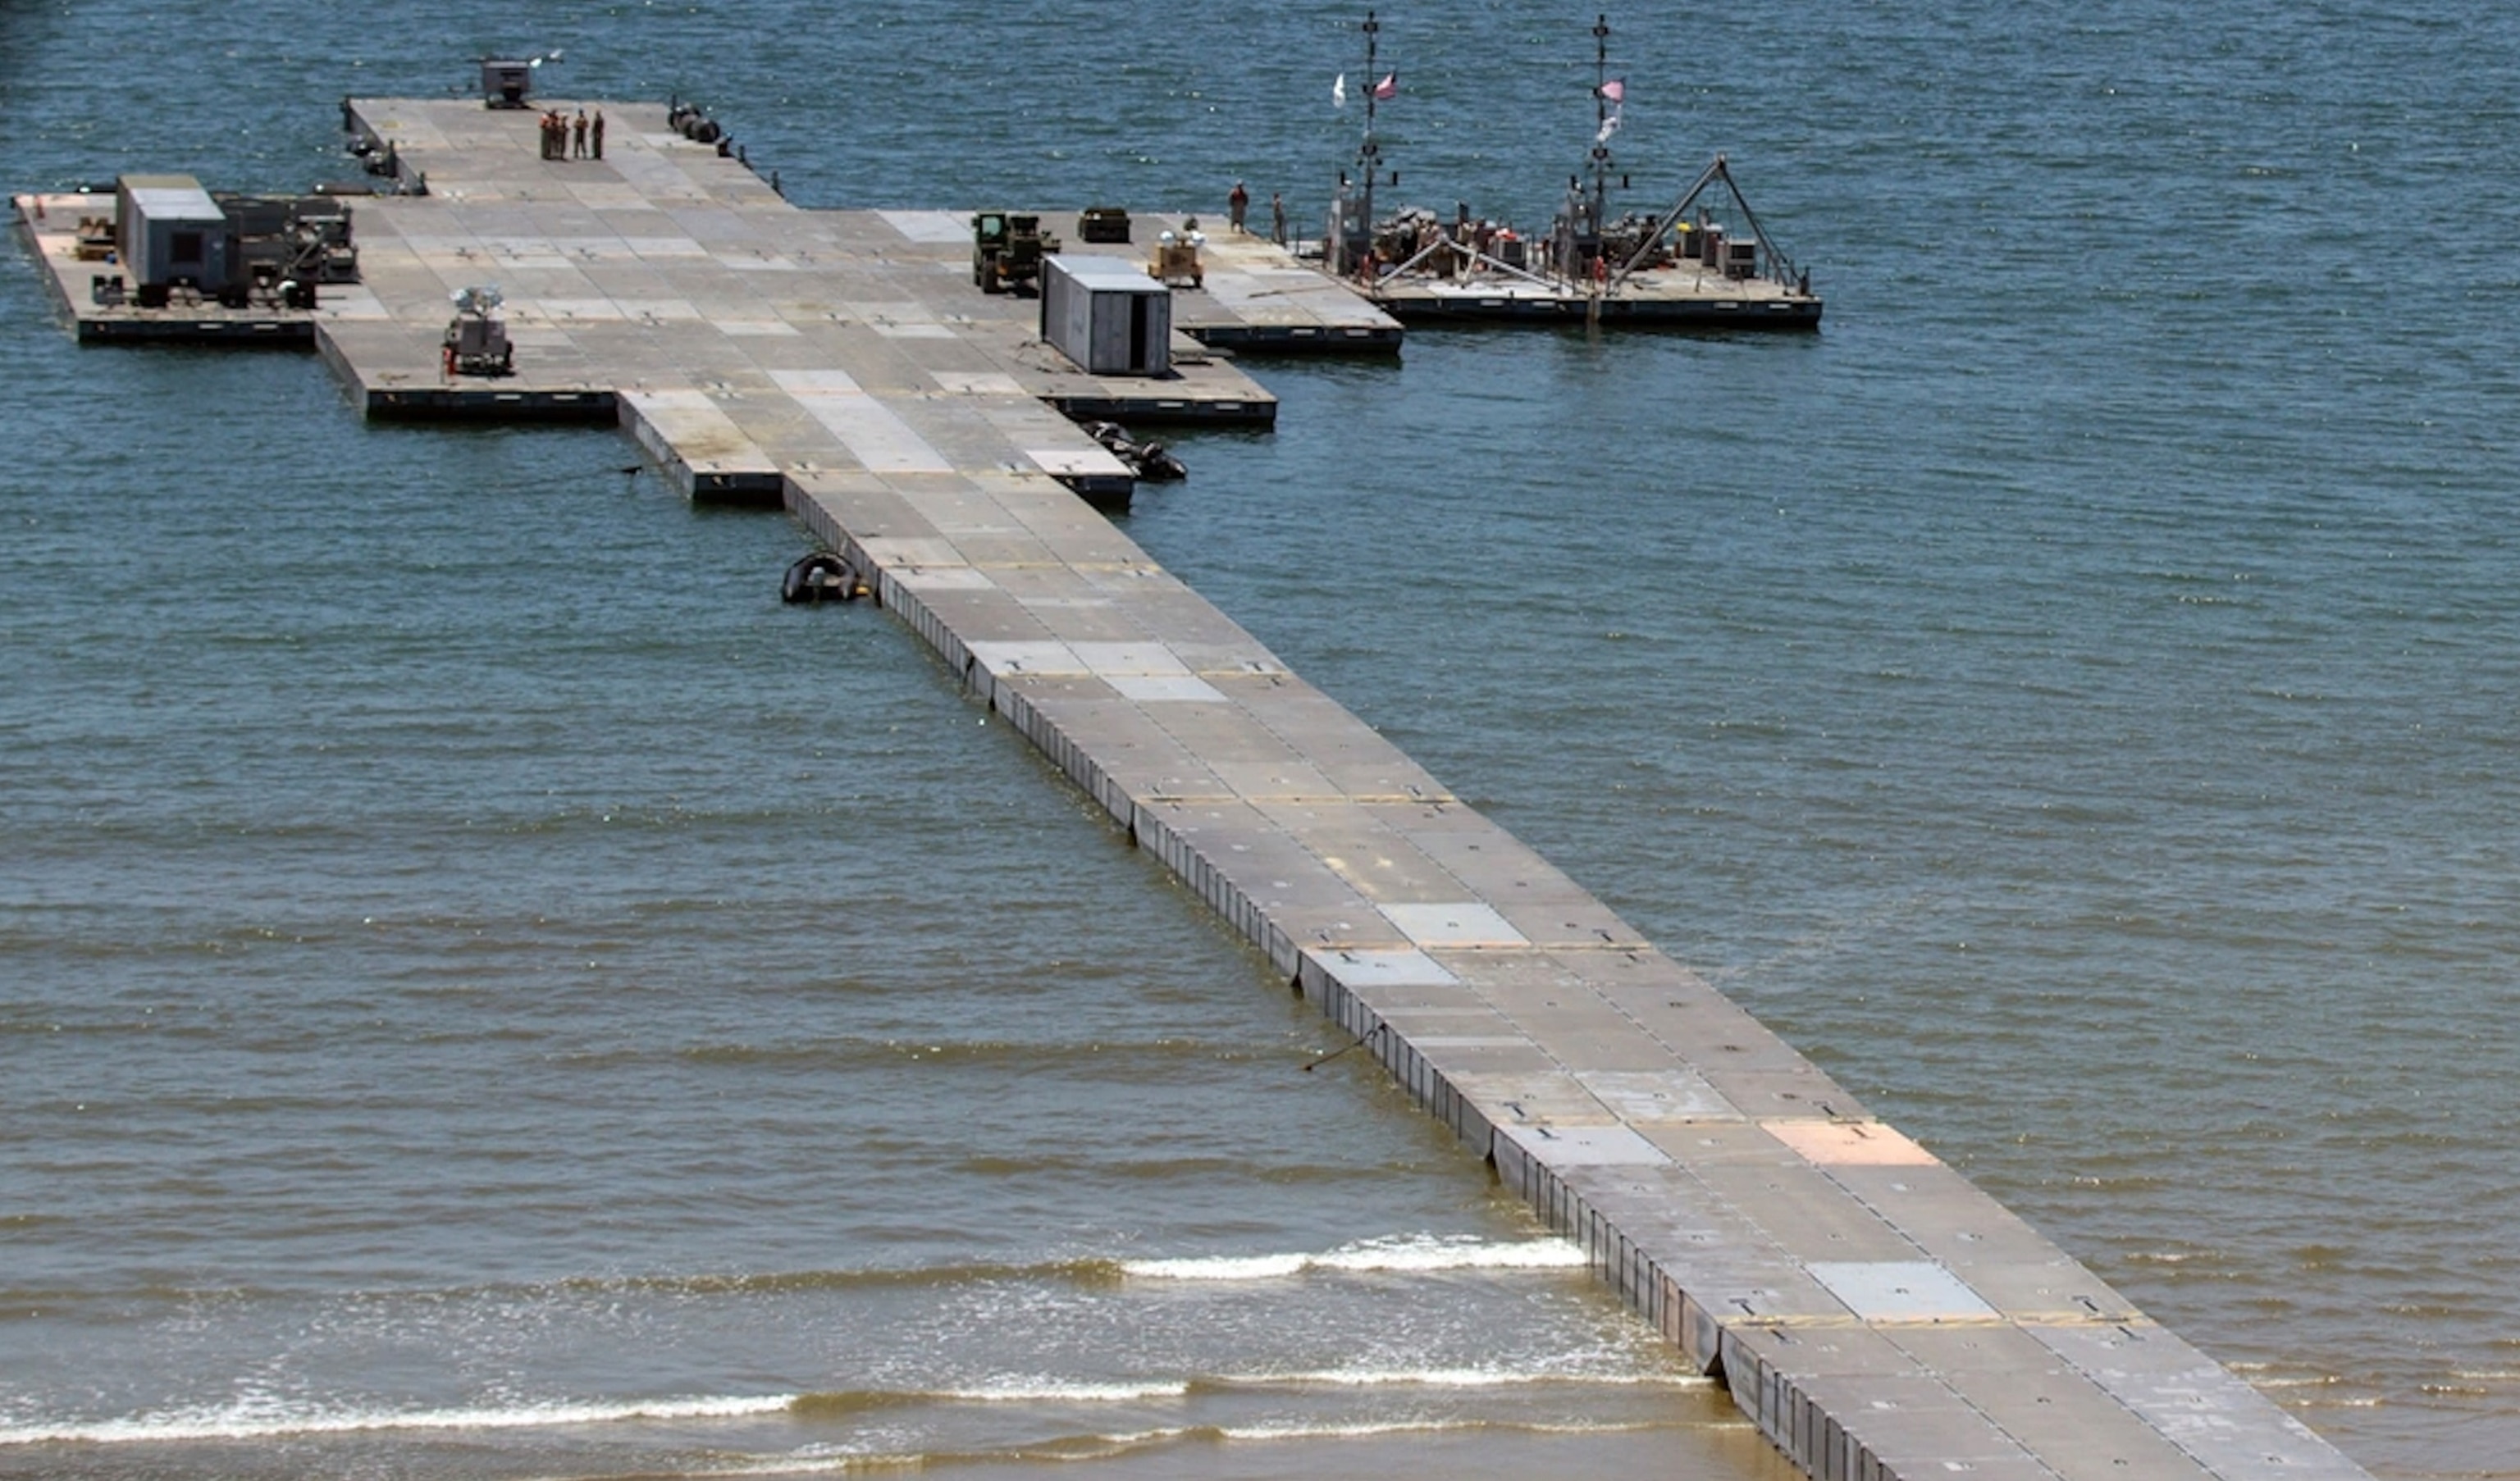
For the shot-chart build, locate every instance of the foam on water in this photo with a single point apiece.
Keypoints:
(1458, 1377)
(268, 1419)
(1421, 1254)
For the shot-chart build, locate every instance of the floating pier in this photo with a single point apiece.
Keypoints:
(1669, 270)
(1872, 1311)
(1665, 271)
(1674, 297)
(670, 289)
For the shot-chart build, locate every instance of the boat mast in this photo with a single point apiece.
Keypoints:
(1600, 121)
(1578, 238)
(1351, 238)
(1369, 153)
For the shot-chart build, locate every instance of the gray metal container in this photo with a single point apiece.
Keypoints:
(1105, 314)
(171, 231)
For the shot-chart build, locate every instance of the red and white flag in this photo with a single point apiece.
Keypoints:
(1616, 89)
(1388, 88)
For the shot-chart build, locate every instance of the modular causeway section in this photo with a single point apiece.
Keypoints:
(1872, 1311)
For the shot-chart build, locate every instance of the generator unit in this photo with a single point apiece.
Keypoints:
(289, 239)
(1105, 314)
(477, 339)
(1175, 261)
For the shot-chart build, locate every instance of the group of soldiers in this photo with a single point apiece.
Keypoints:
(1238, 205)
(578, 138)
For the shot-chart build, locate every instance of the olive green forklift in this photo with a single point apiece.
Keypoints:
(1006, 251)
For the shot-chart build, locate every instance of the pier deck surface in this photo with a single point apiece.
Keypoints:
(1875, 1313)
(1256, 294)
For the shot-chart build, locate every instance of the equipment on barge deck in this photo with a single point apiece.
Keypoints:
(282, 239)
(171, 236)
(1102, 314)
(1175, 262)
(1705, 241)
(1006, 251)
(476, 339)
(1104, 224)
(1587, 257)
(181, 245)
(1589, 247)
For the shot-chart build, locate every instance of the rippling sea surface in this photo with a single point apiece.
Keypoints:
(485, 991)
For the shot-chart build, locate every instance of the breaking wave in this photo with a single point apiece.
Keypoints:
(1407, 1254)
(262, 1419)
(1410, 1255)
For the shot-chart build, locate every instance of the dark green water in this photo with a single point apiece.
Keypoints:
(486, 991)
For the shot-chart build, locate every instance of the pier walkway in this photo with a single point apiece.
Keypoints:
(1872, 1311)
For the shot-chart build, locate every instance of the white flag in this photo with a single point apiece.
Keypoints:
(1338, 92)
(1609, 126)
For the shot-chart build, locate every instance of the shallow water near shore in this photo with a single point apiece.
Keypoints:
(486, 991)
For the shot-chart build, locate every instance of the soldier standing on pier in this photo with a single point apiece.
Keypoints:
(1236, 206)
(595, 133)
(578, 149)
(1277, 218)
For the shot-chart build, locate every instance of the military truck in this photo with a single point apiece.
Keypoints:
(1006, 251)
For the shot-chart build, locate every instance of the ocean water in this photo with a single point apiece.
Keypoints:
(485, 991)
